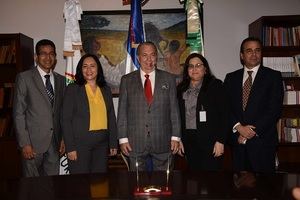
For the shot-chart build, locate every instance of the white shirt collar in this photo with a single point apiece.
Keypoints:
(253, 75)
(150, 74)
(43, 73)
(151, 77)
(254, 69)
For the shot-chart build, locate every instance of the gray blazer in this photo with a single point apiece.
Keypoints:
(35, 120)
(76, 116)
(161, 120)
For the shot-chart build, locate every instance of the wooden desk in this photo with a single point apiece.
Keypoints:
(121, 184)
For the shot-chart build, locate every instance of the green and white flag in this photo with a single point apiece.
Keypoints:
(194, 12)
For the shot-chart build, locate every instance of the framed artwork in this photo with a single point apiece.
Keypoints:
(105, 33)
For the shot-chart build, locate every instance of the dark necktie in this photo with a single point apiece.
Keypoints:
(147, 89)
(49, 89)
(246, 89)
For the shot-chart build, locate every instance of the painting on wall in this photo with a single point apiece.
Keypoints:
(105, 33)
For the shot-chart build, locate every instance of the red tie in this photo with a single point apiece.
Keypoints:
(147, 89)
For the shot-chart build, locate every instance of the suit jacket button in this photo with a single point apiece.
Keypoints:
(148, 134)
(147, 125)
(149, 111)
(51, 129)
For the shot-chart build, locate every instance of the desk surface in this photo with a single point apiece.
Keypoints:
(121, 185)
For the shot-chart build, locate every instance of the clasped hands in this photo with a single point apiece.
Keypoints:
(246, 132)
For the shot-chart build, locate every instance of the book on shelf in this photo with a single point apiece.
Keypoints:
(289, 130)
(291, 134)
(296, 60)
(281, 36)
(285, 65)
(279, 129)
(9, 94)
(291, 97)
(6, 95)
(3, 126)
(8, 53)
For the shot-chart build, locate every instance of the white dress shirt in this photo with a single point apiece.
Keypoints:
(42, 73)
(245, 76)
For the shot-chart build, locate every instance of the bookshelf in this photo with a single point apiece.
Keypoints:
(281, 38)
(16, 55)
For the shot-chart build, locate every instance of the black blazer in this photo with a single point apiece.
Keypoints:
(212, 99)
(76, 116)
(264, 104)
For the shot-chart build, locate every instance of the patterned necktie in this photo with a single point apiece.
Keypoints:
(246, 89)
(49, 89)
(147, 89)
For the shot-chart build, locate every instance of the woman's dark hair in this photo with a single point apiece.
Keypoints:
(185, 83)
(79, 79)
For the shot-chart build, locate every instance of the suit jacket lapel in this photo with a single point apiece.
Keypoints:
(56, 88)
(139, 85)
(83, 98)
(40, 85)
(239, 86)
(84, 105)
(200, 102)
(258, 78)
(105, 97)
(158, 85)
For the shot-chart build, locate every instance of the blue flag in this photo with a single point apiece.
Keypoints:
(135, 35)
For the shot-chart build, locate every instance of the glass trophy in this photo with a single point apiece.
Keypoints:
(152, 190)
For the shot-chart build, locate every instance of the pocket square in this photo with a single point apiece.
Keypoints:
(165, 86)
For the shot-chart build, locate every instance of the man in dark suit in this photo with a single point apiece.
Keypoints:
(148, 125)
(255, 99)
(36, 112)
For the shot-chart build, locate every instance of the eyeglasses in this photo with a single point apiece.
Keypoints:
(44, 54)
(252, 51)
(196, 66)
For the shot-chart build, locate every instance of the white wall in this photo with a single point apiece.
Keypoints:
(226, 23)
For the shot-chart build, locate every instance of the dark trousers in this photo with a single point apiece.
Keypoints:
(199, 154)
(43, 164)
(92, 153)
(254, 159)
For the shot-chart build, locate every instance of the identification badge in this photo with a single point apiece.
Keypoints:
(202, 116)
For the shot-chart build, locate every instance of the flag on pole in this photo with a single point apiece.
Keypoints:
(72, 47)
(194, 12)
(135, 36)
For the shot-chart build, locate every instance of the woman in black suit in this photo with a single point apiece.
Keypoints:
(89, 122)
(203, 115)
